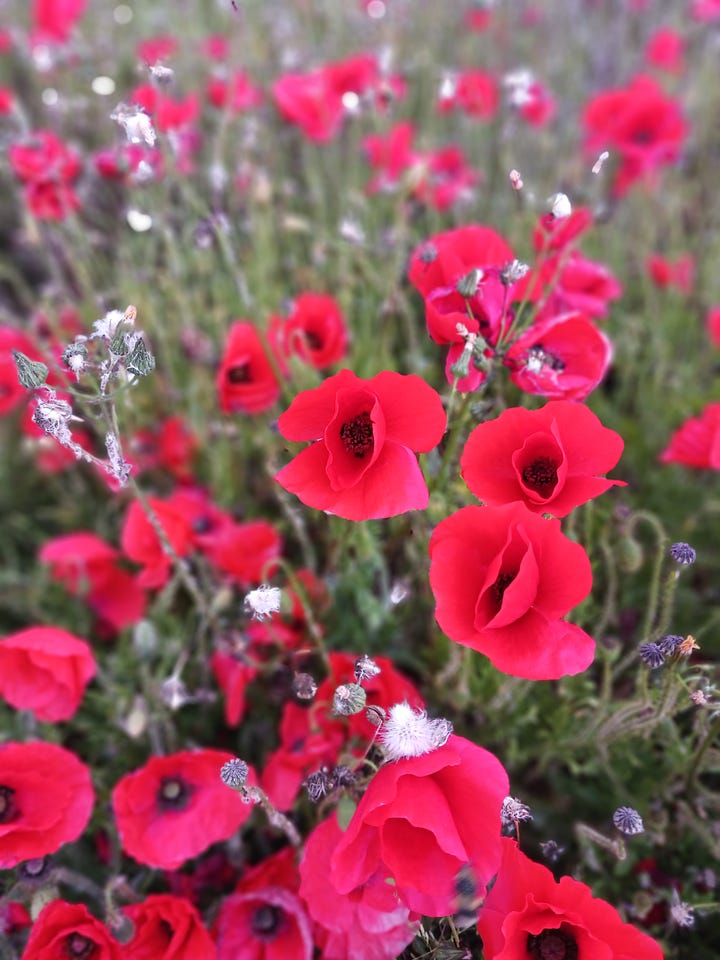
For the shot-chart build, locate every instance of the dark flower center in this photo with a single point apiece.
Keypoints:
(314, 340)
(552, 945)
(9, 810)
(266, 921)
(239, 374)
(357, 435)
(541, 475)
(80, 946)
(538, 356)
(643, 135)
(500, 586)
(174, 794)
(202, 524)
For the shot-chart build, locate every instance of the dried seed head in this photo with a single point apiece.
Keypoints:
(512, 272)
(409, 733)
(514, 811)
(628, 821)
(304, 686)
(682, 553)
(75, 356)
(375, 715)
(234, 773)
(365, 669)
(651, 655)
(173, 693)
(317, 785)
(349, 698)
(669, 643)
(681, 913)
(552, 851)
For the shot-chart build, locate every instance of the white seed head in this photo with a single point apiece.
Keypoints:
(560, 206)
(263, 602)
(409, 733)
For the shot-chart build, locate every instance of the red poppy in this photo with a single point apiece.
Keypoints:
(53, 21)
(712, 325)
(369, 923)
(141, 543)
(363, 466)
(577, 284)
(45, 670)
(176, 806)
(502, 578)
(450, 178)
(697, 442)
(475, 92)
(65, 930)
(316, 330)
(529, 914)
(87, 566)
(13, 918)
(420, 820)
(46, 798)
(641, 123)
(157, 49)
(666, 273)
(235, 93)
(266, 924)
(550, 459)
(561, 357)
(167, 928)
(171, 446)
(705, 10)
(538, 106)
(246, 380)
(248, 551)
(305, 99)
(233, 677)
(47, 168)
(391, 155)
(666, 50)
(167, 113)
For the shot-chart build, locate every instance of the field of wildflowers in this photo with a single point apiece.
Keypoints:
(360, 425)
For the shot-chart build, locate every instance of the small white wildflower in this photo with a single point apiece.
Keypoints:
(351, 101)
(598, 165)
(560, 206)
(448, 86)
(137, 125)
(138, 221)
(263, 602)
(105, 327)
(699, 698)
(409, 733)
(351, 231)
(518, 84)
(161, 74)
(400, 591)
(681, 913)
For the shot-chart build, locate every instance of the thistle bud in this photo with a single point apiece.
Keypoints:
(31, 373)
(349, 698)
(467, 285)
(629, 555)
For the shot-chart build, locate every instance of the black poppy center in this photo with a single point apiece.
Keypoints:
(500, 586)
(9, 809)
(266, 921)
(313, 340)
(357, 435)
(643, 135)
(239, 374)
(80, 946)
(174, 794)
(552, 945)
(541, 475)
(539, 355)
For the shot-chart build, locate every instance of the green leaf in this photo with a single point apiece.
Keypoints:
(31, 373)
(345, 811)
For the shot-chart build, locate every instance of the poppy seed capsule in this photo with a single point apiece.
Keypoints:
(349, 698)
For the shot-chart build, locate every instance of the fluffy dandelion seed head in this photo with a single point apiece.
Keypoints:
(409, 733)
(263, 602)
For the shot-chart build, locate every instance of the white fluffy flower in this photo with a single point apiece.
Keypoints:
(409, 733)
(560, 206)
(263, 602)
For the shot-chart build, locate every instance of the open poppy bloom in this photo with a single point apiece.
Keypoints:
(361, 465)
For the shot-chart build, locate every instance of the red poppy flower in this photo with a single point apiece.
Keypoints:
(502, 578)
(316, 330)
(369, 923)
(45, 670)
(47, 168)
(550, 459)
(538, 106)
(391, 155)
(141, 543)
(705, 10)
(65, 930)
(176, 806)
(235, 93)
(167, 928)
(233, 677)
(13, 918)
(263, 925)
(475, 92)
(363, 466)
(697, 442)
(156, 49)
(666, 273)
(53, 21)
(578, 284)
(561, 357)
(641, 123)
(306, 100)
(529, 914)
(666, 50)
(171, 446)
(420, 820)
(46, 798)
(712, 325)
(246, 380)
(87, 566)
(167, 113)
(248, 551)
